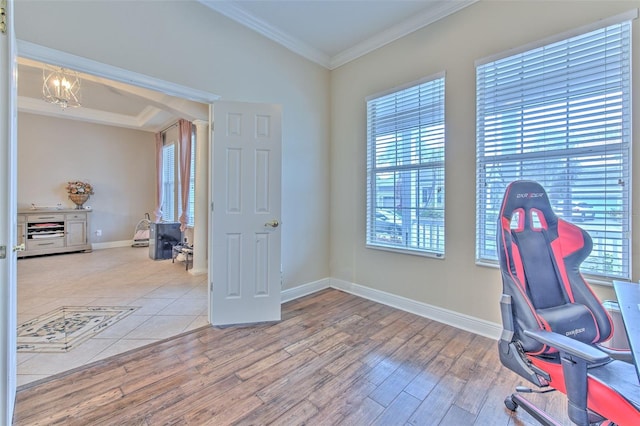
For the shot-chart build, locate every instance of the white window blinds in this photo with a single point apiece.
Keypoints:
(192, 184)
(560, 114)
(405, 168)
(169, 183)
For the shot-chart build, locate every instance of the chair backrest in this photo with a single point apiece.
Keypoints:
(540, 256)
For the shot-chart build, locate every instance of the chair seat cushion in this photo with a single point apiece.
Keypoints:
(622, 378)
(572, 320)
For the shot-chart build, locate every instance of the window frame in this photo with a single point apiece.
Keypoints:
(417, 151)
(170, 211)
(177, 193)
(192, 182)
(569, 153)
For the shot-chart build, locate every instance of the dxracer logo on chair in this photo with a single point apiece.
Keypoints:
(575, 332)
(530, 195)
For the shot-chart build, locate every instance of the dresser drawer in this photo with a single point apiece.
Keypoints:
(76, 216)
(46, 217)
(45, 243)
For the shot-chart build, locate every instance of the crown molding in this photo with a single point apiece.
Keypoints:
(40, 107)
(164, 98)
(151, 119)
(232, 11)
(236, 13)
(47, 55)
(398, 31)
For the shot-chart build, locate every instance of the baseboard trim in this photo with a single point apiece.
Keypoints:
(198, 271)
(112, 244)
(304, 290)
(452, 318)
(455, 319)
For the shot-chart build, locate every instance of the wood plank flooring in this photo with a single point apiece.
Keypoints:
(334, 359)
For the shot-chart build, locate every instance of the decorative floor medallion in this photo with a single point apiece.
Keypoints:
(67, 327)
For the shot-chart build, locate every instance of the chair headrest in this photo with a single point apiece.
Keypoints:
(527, 195)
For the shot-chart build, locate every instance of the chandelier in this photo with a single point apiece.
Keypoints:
(61, 87)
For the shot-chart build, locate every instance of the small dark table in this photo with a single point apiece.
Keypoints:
(185, 250)
(629, 301)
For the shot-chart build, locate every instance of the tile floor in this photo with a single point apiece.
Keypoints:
(171, 302)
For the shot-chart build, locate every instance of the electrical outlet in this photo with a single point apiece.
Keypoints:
(99, 233)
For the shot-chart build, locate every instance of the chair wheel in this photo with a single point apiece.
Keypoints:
(510, 403)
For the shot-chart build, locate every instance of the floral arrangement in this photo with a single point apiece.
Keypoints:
(79, 187)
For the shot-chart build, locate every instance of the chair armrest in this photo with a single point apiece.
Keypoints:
(568, 345)
(620, 355)
(576, 358)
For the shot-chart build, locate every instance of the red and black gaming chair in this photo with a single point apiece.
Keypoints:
(552, 321)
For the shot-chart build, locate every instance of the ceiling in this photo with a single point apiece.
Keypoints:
(334, 32)
(328, 32)
(107, 102)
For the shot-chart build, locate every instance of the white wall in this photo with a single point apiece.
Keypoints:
(118, 162)
(186, 43)
(451, 45)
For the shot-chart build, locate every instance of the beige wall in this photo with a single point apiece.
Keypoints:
(186, 43)
(451, 45)
(324, 120)
(118, 162)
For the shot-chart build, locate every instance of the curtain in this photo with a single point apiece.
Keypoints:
(158, 211)
(185, 133)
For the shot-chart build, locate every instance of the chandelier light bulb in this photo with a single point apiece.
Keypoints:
(61, 87)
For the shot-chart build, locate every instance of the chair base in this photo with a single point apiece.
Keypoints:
(513, 401)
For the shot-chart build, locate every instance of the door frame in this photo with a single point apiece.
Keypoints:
(51, 56)
(8, 221)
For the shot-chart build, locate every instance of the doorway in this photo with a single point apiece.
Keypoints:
(120, 261)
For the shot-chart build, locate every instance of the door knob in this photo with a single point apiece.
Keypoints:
(272, 224)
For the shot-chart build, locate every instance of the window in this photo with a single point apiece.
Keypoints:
(192, 185)
(171, 198)
(169, 183)
(405, 168)
(560, 114)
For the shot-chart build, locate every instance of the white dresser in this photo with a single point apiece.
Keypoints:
(53, 231)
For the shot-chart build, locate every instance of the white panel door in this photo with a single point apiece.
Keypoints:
(244, 262)
(8, 214)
